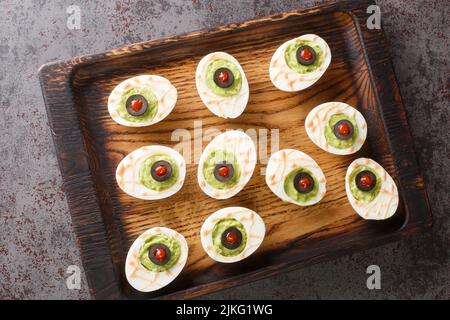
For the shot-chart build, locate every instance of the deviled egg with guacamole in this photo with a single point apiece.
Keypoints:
(336, 127)
(299, 63)
(295, 177)
(232, 234)
(222, 85)
(371, 190)
(151, 173)
(226, 164)
(155, 259)
(142, 101)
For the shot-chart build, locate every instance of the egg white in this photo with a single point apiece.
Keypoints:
(145, 280)
(127, 173)
(242, 146)
(286, 79)
(385, 204)
(318, 117)
(283, 162)
(225, 107)
(164, 91)
(253, 225)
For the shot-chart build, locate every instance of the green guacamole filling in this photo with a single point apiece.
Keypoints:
(290, 55)
(173, 245)
(223, 92)
(293, 193)
(365, 196)
(152, 105)
(331, 137)
(210, 163)
(145, 176)
(219, 229)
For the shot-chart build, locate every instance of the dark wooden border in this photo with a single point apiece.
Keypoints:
(93, 239)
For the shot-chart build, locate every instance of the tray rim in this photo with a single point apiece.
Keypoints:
(107, 285)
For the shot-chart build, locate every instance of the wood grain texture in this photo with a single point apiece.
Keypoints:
(90, 145)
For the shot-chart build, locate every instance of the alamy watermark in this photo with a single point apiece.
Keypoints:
(73, 281)
(74, 18)
(190, 142)
(374, 20)
(374, 280)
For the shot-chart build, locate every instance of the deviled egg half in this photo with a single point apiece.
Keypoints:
(142, 101)
(299, 63)
(232, 234)
(371, 190)
(155, 259)
(151, 172)
(295, 177)
(336, 127)
(226, 164)
(222, 85)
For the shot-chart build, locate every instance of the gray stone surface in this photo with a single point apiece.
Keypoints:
(36, 240)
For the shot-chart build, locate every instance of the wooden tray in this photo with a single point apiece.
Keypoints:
(89, 145)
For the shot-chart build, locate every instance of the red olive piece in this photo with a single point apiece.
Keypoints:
(223, 76)
(223, 171)
(136, 105)
(160, 254)
(161, 170)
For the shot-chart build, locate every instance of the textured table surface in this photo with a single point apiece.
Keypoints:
(36, 240)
